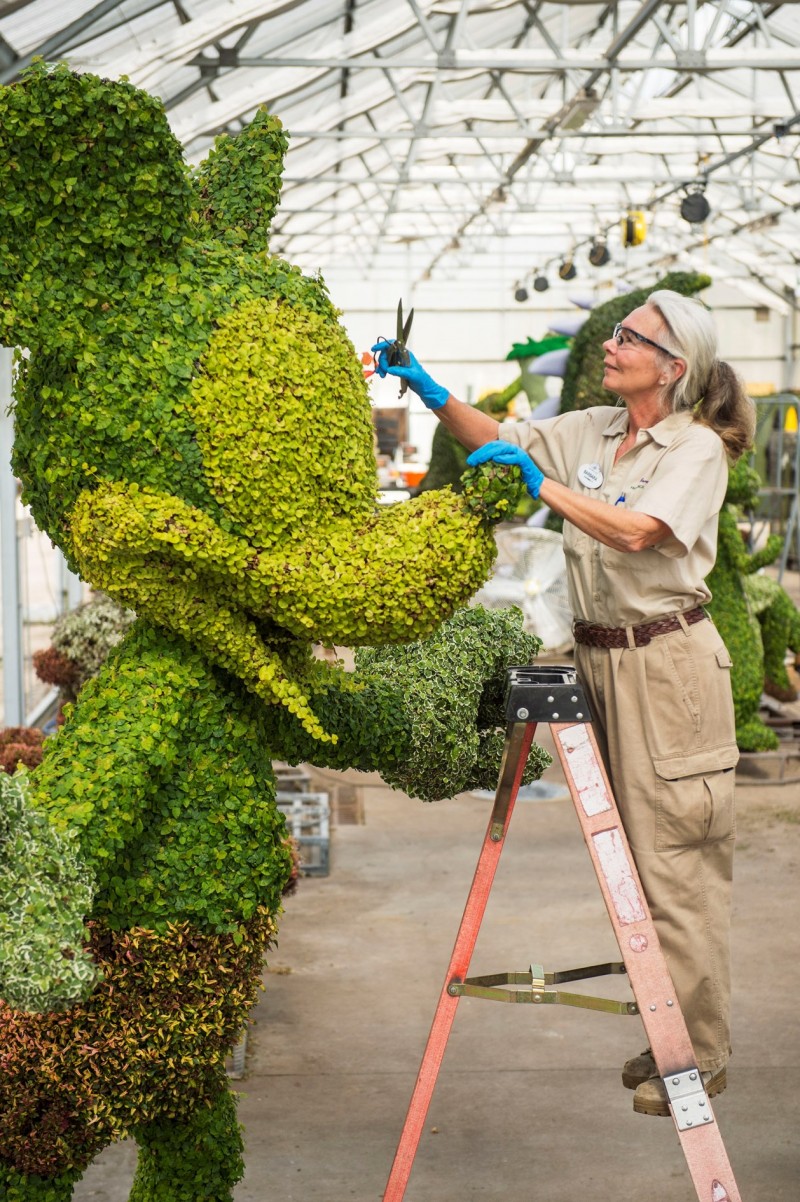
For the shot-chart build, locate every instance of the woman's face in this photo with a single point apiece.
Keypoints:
(633, 368)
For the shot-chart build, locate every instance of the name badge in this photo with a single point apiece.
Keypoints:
(590, 475)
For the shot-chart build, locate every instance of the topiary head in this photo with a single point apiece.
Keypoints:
(170, 350)
(176, 363)
(743, 484)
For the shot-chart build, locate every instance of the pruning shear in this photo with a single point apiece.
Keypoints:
(396, 353)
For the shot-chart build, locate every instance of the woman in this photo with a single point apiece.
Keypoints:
(640, 487)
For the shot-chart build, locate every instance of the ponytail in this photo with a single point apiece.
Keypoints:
(727, 409)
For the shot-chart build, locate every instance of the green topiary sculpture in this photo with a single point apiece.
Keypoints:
(193, 430)
(779, 619)
(732, 614)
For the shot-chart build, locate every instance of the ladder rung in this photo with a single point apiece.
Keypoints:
(495, 992)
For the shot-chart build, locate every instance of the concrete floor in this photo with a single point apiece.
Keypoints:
(529, 1103)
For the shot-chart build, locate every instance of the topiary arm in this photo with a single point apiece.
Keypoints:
(429, 716)
(171, 563)
(391, 579)
(729, 542)
(766, 555)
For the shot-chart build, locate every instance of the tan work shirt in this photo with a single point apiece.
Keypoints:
(677, 472)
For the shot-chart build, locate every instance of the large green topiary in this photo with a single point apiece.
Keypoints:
(193, 430)
(732, 613)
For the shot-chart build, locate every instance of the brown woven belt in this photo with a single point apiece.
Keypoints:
(617, 636)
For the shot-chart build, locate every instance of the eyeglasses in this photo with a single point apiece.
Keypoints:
(620, 330)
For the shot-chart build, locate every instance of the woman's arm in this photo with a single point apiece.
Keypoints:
(616, 527)
(622, 529)
(469, 425)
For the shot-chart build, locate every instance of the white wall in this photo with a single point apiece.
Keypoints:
(462, 336)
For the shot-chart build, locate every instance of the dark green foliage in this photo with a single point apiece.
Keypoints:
(94, 190)
(456, 679)
(779, 620)
(493, 490)
(21, 1187)
(583, 378)
(732, 615)
(180, 1162)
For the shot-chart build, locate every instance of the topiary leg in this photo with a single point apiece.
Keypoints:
(195, 1161)
(779, 629)
(21, 1187)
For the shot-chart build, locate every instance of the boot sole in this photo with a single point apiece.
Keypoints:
(630, 1081)
(661, 1109)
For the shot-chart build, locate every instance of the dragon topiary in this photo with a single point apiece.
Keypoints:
(779, 619)
(193, 430)
(732, 613)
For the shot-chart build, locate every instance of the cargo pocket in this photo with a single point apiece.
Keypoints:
(694, 797)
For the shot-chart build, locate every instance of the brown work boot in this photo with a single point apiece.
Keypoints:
(651, 1095)
(638, 1069)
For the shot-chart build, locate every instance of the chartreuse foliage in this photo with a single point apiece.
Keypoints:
(193, 430)
(583, 378)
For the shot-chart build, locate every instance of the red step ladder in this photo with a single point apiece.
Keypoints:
(553, 695)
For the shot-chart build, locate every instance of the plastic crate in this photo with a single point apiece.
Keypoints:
(308, 820)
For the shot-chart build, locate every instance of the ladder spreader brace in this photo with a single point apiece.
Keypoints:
(553, 695)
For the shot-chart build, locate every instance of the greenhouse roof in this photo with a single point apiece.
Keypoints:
(483, 141)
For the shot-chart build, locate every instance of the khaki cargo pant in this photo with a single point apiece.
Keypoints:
(663, 717)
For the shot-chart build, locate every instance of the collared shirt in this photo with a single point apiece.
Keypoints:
(677, 471)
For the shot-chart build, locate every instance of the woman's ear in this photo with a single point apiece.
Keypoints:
(679, 366)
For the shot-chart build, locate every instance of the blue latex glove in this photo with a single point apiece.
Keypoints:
(508, 452)
(433, 395)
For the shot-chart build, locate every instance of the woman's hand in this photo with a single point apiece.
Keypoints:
(433, 395)
(507, 452)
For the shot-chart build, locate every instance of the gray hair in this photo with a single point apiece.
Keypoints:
(709, 387)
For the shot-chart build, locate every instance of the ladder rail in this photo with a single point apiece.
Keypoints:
(553, 695)
(515, 755)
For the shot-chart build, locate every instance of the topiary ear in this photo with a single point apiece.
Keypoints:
(238, 185)
(94, 189)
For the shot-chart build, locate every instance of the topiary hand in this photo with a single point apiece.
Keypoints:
(432, 395)
(499, 451)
